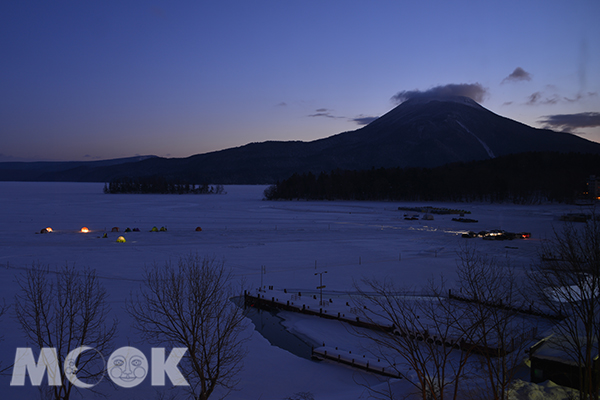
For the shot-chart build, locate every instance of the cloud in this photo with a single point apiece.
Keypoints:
(541, 98)
(474, 91)
(327, 113)
(580, 96)
(569, 122)
(363, 120)
(534, 98)
(282, 104)
(324, 112)
(538, 98)
(519, 74)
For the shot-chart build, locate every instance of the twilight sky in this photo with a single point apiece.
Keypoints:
(91, 80)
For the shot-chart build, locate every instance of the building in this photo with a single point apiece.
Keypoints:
(593, 187)
(553, 359)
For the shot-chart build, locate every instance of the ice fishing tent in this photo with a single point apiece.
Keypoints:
(128, 230)
(121, 239)
(154, 229)
(115, 229)
(198, 229)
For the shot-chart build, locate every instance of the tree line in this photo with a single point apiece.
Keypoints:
(158, 184)
(525, 178)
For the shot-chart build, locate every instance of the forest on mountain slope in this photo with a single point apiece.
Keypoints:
(526, 178)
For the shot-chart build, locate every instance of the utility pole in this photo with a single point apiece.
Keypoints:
(263, 271)
(321, 286)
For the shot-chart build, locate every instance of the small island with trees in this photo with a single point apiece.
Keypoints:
(159, 185)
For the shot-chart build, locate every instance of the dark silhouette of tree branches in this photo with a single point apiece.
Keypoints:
(566, 280)
(446, 347)
(492, 319)
(425, 339)
(188, 305)
(66, 310)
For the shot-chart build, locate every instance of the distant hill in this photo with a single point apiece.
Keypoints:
(418, 133)
(53, 170)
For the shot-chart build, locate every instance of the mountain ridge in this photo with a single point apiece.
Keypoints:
(421, 132)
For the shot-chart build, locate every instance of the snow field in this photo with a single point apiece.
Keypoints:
(292, 240)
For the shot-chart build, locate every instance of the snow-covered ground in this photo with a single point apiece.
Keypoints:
(292, 240)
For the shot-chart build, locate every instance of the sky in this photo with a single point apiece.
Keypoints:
(108, 79)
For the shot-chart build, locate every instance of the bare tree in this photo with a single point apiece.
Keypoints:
(425, 345)
(66, 310)
(189, 305)
(566, 281)
(496, 329)
(445, 339)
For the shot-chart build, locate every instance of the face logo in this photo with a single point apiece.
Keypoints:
(127, 367)
(71, 368)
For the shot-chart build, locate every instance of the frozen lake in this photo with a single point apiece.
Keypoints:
(292, 240)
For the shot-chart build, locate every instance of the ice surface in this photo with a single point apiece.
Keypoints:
(293, 240)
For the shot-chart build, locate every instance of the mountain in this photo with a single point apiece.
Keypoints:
(436, 131)
(418, 133)
(48, 170)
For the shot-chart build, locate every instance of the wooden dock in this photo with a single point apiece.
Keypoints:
(298, 303)
(260, 301)
(356, 361)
